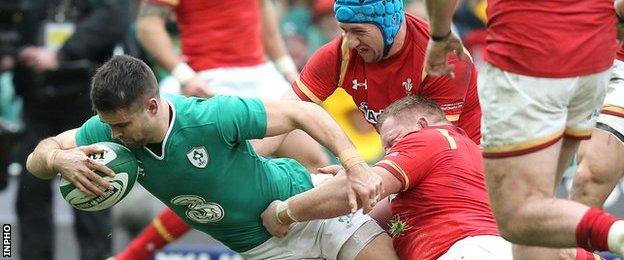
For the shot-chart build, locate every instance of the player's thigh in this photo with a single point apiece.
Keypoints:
(521, 114)
(524, 119)
(379, 248)
(346, 236)
(514, 181)
(479, 248)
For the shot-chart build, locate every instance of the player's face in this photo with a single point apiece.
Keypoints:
(131, 126)
(366, 39)
(390, 132)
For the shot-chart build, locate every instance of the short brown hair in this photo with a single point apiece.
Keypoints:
(122, 82)
(413, 104)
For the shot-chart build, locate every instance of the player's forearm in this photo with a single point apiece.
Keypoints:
(441, 16)
(327, 200)
(315, 121)
(273, 42)
(271, 37)
(154, 37)
(39, 162)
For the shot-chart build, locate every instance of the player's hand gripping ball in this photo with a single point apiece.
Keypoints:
(121, 161)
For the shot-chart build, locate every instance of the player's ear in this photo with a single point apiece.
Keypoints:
(152, 106)
(423, 122)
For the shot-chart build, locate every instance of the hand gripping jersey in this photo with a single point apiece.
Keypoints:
(373, 86)
(208, 173)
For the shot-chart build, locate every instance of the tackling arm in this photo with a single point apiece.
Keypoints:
(284, 116)
(330, 199)
(327, 200)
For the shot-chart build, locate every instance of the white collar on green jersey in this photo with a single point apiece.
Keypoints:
(164, 142)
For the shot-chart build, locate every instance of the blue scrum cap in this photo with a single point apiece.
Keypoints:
(386, 14)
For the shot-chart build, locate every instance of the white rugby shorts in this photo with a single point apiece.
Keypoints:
(523, 114)
(260, 81)
(479, 248)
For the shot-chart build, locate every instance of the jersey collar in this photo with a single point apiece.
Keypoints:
(164, 142)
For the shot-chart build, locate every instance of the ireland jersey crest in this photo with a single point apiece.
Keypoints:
(198, 156)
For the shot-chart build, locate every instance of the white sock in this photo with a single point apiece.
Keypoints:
(616, 237)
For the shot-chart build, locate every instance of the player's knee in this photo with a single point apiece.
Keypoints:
(583, 176)
(510, 224)
(511, 231)
(594, 174)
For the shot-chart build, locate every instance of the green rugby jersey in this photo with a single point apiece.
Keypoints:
(208, 172)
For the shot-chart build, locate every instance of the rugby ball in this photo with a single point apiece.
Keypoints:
(119, 159)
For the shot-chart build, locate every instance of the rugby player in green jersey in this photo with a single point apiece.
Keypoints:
(197, 159)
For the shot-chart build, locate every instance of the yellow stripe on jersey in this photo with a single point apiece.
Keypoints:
(162, 231)
(308, 92)
(344, 64)
(449, 138)
(399, 170)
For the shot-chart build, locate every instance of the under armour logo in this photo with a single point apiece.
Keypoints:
(407, 84)
(356, 84)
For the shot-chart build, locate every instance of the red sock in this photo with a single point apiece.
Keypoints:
(582, 254)
(166, 228)
(593, 230)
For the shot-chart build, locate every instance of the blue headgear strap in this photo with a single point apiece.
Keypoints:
(386, 14)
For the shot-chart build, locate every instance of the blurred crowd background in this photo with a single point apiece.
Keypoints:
(39, 95)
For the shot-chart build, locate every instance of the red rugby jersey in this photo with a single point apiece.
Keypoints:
(373, 86)
(551, 39)
(219, 34)
(444, 198)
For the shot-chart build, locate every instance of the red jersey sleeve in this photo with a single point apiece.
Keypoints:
(411, 158)
(450, 93)
(171, 3)
(319, 77)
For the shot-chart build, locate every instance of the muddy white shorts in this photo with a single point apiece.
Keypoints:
(319, 239)
(523, 114)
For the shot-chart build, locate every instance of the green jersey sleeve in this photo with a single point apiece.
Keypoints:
(240, 119)
(93, 131)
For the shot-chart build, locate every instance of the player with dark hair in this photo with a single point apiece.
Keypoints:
(197, 159)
